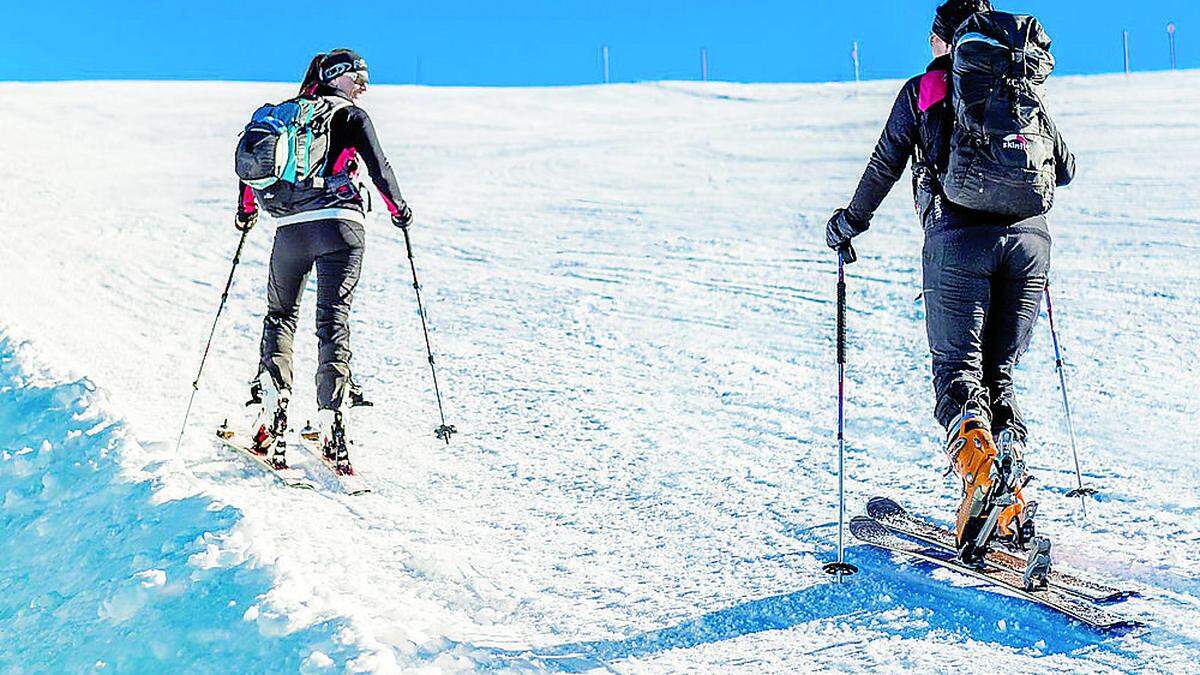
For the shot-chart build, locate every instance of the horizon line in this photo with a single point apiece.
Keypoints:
(70, 80)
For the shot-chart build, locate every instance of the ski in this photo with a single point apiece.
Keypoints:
(897, 519)
(352, 484)
(290, 477)
(872, 532)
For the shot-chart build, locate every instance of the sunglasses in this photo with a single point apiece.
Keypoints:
(360, 78)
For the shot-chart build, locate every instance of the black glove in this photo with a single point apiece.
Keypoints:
(841, 229)
(244, 222)
(403, 218)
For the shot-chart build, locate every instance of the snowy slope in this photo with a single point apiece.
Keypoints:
(632, 303)
(94, 566)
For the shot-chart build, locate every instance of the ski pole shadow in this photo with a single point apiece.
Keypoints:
(865, 602)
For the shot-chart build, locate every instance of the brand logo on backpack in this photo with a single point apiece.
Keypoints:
(1015, 142)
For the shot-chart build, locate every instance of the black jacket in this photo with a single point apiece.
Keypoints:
(919, 129)
(352, 142)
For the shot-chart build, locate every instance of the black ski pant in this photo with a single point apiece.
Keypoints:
(335, 248)
(983, 289)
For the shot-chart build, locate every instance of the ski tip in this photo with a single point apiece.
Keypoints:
(1122, 626)
(882, 507)
(1118, 596)
(867, 529)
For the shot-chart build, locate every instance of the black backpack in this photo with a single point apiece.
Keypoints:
(1002, 145)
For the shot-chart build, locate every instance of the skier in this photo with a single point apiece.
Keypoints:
(987, 244)
(319, 222)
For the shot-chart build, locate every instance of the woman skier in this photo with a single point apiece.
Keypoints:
(319, 222)
(984, 270)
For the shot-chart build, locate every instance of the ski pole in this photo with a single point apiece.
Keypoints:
(1080, 491)
(841, 568)
(237, 256)
(445, 430)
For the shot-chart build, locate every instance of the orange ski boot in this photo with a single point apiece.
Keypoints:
(972, 454)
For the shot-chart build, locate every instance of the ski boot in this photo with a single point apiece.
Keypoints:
(356, 397)
(972, 455)
(256, 393)
(1014, 523)
(993, 474)
(270, 426)
(333, 441)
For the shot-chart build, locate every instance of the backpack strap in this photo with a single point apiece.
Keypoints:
(318, 115)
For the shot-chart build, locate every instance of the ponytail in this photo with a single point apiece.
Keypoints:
(312, 76)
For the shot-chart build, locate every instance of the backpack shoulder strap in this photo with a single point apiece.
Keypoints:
(334, 104)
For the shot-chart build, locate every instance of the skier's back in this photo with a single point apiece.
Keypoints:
(319, 218)
(984, 270)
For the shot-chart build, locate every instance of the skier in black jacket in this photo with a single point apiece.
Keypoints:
(319, 222)
(984, 273)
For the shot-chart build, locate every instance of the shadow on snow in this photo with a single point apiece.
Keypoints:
(867, 602)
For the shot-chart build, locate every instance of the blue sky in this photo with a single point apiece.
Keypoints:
(547, 42)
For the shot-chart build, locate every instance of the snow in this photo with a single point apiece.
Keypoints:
(94, 573)
(632, 306)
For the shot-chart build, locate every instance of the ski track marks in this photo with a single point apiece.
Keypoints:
(630, 299)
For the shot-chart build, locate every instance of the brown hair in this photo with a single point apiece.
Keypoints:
(312, 76)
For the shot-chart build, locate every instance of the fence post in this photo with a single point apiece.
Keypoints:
(1171, 39)
(1125, 43)
(854, 58)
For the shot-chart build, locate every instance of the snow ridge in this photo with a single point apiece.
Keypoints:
(98, 571)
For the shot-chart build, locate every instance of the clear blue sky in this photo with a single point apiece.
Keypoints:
(544, 42)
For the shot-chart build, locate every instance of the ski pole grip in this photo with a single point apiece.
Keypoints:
(847, 254)
(841, 315)
(407, 243)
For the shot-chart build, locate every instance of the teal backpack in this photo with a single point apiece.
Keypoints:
(286, 142)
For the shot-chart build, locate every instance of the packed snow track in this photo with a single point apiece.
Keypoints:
(632, 306)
